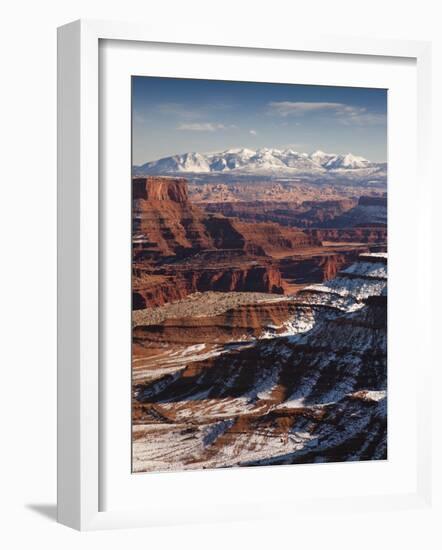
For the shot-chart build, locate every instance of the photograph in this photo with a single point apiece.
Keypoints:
(259, 274)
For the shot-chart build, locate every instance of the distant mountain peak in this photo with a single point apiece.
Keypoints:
(348, 161)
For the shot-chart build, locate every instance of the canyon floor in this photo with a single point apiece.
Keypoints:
(259, 331)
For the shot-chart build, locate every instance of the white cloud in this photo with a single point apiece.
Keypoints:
(201, 127)
(253, 132)
(290, 108)
(347, 114)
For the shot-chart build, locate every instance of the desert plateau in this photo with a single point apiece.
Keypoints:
(259, 328)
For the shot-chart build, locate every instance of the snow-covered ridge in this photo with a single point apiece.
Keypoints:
(311, 390)
(346, 293)
(354, 284)
(264, 160)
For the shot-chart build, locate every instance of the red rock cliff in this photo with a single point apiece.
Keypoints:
(160, 189)
(166, 223)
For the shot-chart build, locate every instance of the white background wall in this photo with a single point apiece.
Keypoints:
(28, 276)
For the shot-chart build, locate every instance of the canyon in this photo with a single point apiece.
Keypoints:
(264, 379)
(258, 325)
(181, 246)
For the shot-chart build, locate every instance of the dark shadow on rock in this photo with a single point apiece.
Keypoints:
(48, 511)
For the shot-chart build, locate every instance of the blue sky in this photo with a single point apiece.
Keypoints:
(172, 115)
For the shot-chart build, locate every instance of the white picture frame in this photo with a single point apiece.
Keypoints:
(79, 264)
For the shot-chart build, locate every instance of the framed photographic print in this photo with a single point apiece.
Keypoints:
(227, 345)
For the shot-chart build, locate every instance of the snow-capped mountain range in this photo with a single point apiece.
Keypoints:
(263, 161)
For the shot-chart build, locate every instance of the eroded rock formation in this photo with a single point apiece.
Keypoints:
(293, 214)
(165, 222)
(179, 248)
(271, 381)
(178, 281)
(370, 235)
